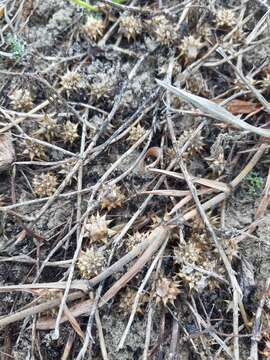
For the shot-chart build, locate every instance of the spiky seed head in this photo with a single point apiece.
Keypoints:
(225, 18)
(21, 99)
(167, 290)
(101, 86)
(66, 168)
(164, 31)
(190, 252)
(97, 229)
(49, 127)
(195, 280)
(34, 150)
(135, 239)
(217, 164)
(71, 80)
(130, 26)
(94, 28)
(135, 133)
(127, 299)
(70, 132)
(195, 147)
(190, 47)
(91, 262)
(231, 248)
(112, 198)
(44, 184)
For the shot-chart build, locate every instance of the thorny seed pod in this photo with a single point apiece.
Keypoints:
(66, 168)
(70, 134)
(127, 299)
(97, 229)
(135, 239)
(231, 248)
(71, 81)
(164, 31)
(167, 290)
(7, 152)
(91, 262)
(112, 198)
(195, 280)
(44, 184)
(225, 18)
(130, 26)
(135, 133)
(34, 150)
(190, 47)
(196, 145)
(101, 86)
(49, 127)
(21, 99)
(217, 164)
(94, 28)
(190, 252)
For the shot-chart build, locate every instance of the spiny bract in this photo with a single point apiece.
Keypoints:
(70, 132)
(91, 262)
(21, 99)
(135, 133)
(44, 184)
(97, 229)
(94, 28)
(112, 197)
(34, 150)
(48, 127)
(167, 290)
(130, 26)
(225, 18)
(71, 80)
(190, 47)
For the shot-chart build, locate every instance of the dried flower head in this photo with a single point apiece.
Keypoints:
(135, 133)
(7, 151)
(190, 47)
(231, 248)
(91, 262)
(34, 150)
(44, 184)
(164, 30)
(94, 28)
(66, 168)
(101, 86)
(167, 290)
(135, 239)
(127, 299)
(112, 197)
(71, 80)
(225, 18)
(49, 127)
(195, 146)
(130, 26)
(97, 229)
(70, 134)
(217, 164)
(21, 99)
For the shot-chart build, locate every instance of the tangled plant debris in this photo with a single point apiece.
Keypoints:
(134, 167)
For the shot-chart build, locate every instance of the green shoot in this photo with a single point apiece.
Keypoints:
(89, 7)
